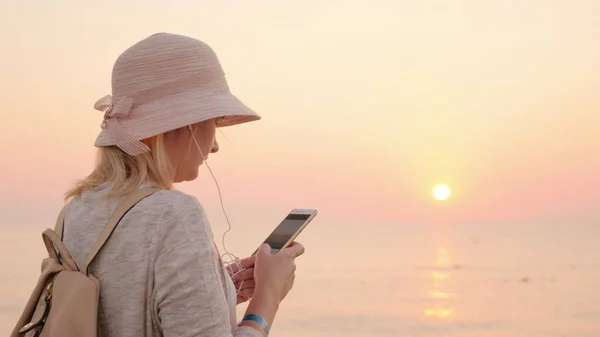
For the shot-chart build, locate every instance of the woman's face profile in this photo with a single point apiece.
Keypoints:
(184, 154)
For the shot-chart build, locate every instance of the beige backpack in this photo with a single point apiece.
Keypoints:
(65, 300)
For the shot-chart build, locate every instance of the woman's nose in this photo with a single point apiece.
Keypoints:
(215, 147)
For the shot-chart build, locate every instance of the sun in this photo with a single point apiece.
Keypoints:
(441, 192)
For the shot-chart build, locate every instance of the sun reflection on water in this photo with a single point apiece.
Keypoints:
(441, 308)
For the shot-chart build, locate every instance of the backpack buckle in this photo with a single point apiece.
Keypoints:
(40, 322)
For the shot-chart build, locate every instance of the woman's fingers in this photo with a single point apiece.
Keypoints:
(245, 284)
(246, 293)
(248, 262)
(245, 264)
(295, 249)
(246, 274)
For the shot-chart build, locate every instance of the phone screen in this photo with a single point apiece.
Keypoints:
(286, 229)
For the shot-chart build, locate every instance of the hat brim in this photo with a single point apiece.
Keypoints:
(179, 110)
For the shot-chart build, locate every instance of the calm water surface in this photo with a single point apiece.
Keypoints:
(496, 281)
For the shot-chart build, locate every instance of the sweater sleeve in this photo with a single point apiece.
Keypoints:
(189, 299)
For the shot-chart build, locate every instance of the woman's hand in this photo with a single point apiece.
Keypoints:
(275, 273)
(244, 278)
(273, 278)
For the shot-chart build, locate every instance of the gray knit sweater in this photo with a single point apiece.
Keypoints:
(160, 272)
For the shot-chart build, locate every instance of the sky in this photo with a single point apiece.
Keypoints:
(366, 106)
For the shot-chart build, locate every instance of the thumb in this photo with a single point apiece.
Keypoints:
(265, 248)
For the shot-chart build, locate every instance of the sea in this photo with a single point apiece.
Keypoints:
(386, 280)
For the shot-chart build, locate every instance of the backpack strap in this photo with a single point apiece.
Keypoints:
(57, 250)
(114, 220)
(55, 241)
(60, 223)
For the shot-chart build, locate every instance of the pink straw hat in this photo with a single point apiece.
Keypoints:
(162, 83)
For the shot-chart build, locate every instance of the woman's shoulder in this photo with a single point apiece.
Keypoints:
(162, 207)
(174, 200)
(183, 219)
(176, 206)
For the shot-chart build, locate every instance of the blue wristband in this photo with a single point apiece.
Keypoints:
(258, 320)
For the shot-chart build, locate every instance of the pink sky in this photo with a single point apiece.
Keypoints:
(366, 105)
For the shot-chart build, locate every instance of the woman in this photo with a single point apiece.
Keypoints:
(160, 272)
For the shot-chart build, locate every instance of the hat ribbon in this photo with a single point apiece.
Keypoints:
(112, 114)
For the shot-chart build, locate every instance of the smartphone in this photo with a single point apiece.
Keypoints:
(289, 229)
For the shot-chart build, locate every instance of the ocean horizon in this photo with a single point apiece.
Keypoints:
(496, 281)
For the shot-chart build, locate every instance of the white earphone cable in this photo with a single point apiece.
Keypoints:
(233, 259)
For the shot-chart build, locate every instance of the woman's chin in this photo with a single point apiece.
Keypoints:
(188, 176)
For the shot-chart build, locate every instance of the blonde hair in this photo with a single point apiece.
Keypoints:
(125, 173)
